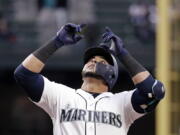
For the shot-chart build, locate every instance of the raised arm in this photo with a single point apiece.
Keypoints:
(67, 35)
(27, 73)
(149, 90)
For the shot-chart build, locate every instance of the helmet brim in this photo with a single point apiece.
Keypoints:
(98, 51)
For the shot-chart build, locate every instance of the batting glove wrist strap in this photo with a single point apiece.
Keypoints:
(58, 42)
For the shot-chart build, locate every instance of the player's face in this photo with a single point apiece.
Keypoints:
(90, 66)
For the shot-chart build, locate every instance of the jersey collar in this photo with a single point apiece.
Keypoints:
(87, 95)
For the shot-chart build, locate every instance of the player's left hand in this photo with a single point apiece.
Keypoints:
(70, 33)
(110, 36)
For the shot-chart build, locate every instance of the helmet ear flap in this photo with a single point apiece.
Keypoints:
(116, 70)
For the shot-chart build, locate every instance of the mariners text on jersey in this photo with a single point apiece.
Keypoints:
(90, 116)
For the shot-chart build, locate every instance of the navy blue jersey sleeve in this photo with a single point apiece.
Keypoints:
(33, 83)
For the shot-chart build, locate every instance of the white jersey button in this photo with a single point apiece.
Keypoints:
(91, 104)
(90, 129)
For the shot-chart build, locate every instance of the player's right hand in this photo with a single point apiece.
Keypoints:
(69, 34)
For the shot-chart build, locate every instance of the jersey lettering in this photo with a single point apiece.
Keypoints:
(90, 116)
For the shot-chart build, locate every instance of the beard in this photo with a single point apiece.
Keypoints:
(91, 74)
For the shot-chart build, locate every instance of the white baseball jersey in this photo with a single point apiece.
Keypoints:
(77, 112)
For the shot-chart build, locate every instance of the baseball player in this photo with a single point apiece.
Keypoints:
(92, 109)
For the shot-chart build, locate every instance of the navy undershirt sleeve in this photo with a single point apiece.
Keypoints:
(33, 83)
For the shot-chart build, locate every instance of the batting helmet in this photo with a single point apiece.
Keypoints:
(109, 73)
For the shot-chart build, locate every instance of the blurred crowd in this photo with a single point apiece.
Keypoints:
(50, 15)
(144, 20)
